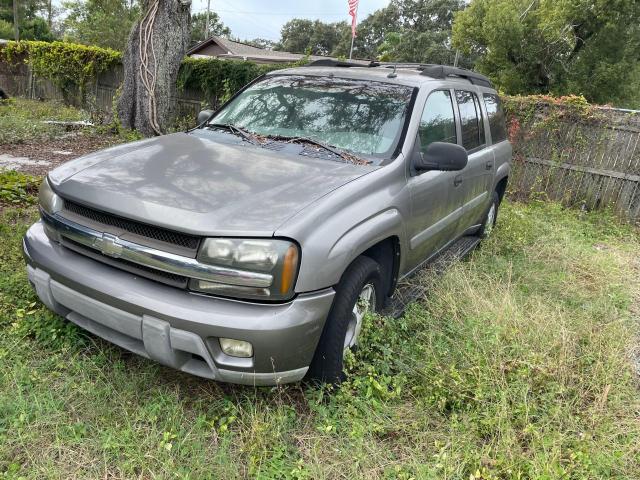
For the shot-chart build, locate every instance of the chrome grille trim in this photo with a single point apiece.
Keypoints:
(137, 228)
(115, 247)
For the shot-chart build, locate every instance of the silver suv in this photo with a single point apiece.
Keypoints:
(249, 249)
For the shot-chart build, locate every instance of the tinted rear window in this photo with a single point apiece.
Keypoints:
(470, 119)
(496, 117)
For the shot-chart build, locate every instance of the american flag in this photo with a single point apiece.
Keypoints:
(353, 11)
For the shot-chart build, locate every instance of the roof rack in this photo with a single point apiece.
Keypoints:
(330, 62)
(444, 71)
(426, 69)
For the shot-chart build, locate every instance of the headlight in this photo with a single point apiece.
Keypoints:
(278, 258)
(50, 202)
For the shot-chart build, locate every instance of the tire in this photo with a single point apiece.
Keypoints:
(327, 363)
(490, 217)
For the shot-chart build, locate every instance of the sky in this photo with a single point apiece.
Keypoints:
(250, 19)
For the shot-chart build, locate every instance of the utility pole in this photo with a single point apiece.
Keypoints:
(206, 29)
(16, 30)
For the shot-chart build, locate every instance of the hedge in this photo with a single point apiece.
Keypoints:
(72, 67)
(219, 79)
(69, 66)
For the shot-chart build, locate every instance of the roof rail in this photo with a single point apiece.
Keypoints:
(417, 66)
(444, 71)
(330, 62)
(426, 69)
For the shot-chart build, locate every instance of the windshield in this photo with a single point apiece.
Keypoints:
(362, 117)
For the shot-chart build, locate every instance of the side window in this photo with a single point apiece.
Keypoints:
(480, 119)
(496, 117)
(438, 123)
(470, 119)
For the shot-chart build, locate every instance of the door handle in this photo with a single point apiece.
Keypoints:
(488, 165)
(457, 181)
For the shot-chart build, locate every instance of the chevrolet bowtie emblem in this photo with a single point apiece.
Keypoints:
(108, 245)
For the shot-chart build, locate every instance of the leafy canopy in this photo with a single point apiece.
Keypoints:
(103, 23)
(404, 31)
(31, 24)
(311, 36)
(199, 27)
(588, 47)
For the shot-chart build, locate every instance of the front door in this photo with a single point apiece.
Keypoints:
(435, 196)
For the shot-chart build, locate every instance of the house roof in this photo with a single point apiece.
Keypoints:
(243, 51)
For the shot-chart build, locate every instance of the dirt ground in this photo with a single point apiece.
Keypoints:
(37, 157)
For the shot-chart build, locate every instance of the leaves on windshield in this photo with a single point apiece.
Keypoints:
(359, 116)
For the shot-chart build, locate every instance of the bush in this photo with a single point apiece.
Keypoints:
(220, 79)
(69, 66)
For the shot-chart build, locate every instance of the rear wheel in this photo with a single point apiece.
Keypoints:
(490, 218)
(358, 293)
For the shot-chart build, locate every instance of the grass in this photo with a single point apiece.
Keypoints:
(22, 119)
(18, 188)
(518, 365)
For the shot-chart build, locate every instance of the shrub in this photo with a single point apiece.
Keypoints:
(69, 66)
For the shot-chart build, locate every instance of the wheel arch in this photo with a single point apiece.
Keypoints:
(501, 187)
(387, 254)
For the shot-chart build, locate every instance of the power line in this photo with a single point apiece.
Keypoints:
(262, 26)
(276, 14)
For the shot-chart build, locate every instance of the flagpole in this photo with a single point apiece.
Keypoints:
(353, 32)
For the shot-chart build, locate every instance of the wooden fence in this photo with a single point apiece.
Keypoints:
(589, 159)
(19, 80)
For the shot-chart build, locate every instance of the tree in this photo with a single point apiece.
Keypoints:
(263, 43)
(105, 23)
(311, 36)
(155, 50)
(406, 31)
(199, 27)
(371, 33)
(31, 25)
(587, 47)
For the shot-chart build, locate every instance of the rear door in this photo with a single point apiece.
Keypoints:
(497, 129)
(435, 205)
(477, 177)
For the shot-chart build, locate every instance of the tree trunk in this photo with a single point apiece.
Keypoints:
(16, 29)
(156, 47)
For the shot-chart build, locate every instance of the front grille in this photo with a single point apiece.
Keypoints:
(141, 270)
(156, 233)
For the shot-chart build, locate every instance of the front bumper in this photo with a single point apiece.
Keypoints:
(175, 327)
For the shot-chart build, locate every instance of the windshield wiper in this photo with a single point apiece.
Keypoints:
(235, 130)
(347, 157)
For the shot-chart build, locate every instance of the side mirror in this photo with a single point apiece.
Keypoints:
(203, 116)
(446, 157)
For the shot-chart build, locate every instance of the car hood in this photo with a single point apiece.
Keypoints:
(191, 183)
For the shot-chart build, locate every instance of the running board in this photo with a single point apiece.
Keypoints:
(420, 282)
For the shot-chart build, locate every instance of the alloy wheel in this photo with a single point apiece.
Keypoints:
(364, 304)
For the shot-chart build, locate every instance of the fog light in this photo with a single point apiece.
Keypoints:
(236, 348)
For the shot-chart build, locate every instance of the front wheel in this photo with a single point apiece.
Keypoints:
(358, 293)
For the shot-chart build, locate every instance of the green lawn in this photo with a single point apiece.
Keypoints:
(22, 119)
(518, 365)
